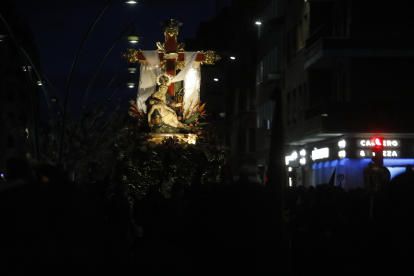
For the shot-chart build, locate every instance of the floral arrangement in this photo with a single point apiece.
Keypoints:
(145, 163)
(187, 158)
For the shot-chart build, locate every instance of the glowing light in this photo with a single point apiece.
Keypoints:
(290, 181)
(131, 2)
(342, 144)
(28, 68)
(258, 23)
(132, 70)
(302, 152)
(232, 58)
(39, 83)
(342, 154)
(292, 157)
(290, 169)
(371, 143)
(215, 79)
(133, 39)
(287, 159)
(302, 161)
(320, 153)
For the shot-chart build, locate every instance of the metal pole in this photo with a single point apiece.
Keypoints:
(65, 108)
(85, 98)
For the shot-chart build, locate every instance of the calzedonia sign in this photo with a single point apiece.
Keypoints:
(389, 147)
(369, 143)
(367, 153)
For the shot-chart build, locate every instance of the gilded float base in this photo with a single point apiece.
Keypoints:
(157, 138)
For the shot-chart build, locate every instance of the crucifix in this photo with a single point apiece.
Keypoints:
(171, 54)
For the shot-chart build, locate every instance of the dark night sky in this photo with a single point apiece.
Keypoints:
(59, 27)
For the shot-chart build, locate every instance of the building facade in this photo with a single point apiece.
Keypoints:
(347, 79)
(16, 112)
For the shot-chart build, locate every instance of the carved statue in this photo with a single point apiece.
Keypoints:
(161, 117)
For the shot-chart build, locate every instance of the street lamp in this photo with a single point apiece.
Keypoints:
(133, 37)
(132, 69)
(85, 97)
(131, 84)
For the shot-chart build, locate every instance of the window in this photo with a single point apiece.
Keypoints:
(267, 66)
(265, 115)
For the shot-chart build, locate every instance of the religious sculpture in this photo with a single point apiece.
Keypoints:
(162, 118)
(171, 68)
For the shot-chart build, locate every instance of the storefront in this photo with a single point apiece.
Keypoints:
(314, 163)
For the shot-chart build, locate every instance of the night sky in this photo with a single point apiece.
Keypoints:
(59, 28)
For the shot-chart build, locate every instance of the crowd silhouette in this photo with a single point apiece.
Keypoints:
(51, 225)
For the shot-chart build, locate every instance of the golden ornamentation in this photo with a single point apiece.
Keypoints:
(163, 64)
(170, 56)
(179, 65)
(180, 47)
(161, 46)
(182, 139)
(210, 57)
(170, 32)
(164, 79)
(131, 55)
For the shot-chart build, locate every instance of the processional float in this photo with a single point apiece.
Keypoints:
(170, 143)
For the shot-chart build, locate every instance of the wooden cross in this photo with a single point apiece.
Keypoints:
(171, 55)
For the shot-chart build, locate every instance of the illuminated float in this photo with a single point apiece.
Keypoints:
(168, 141)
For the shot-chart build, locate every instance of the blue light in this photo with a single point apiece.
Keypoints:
(334, 163)
(314, 166)
(398, 161)
(320, 165)
(326, 164)
(396, 171)
(343, 161)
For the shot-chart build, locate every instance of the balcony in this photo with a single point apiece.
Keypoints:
(334, 119)
(326, 45)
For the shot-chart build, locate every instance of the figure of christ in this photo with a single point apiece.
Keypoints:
(161, 117)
